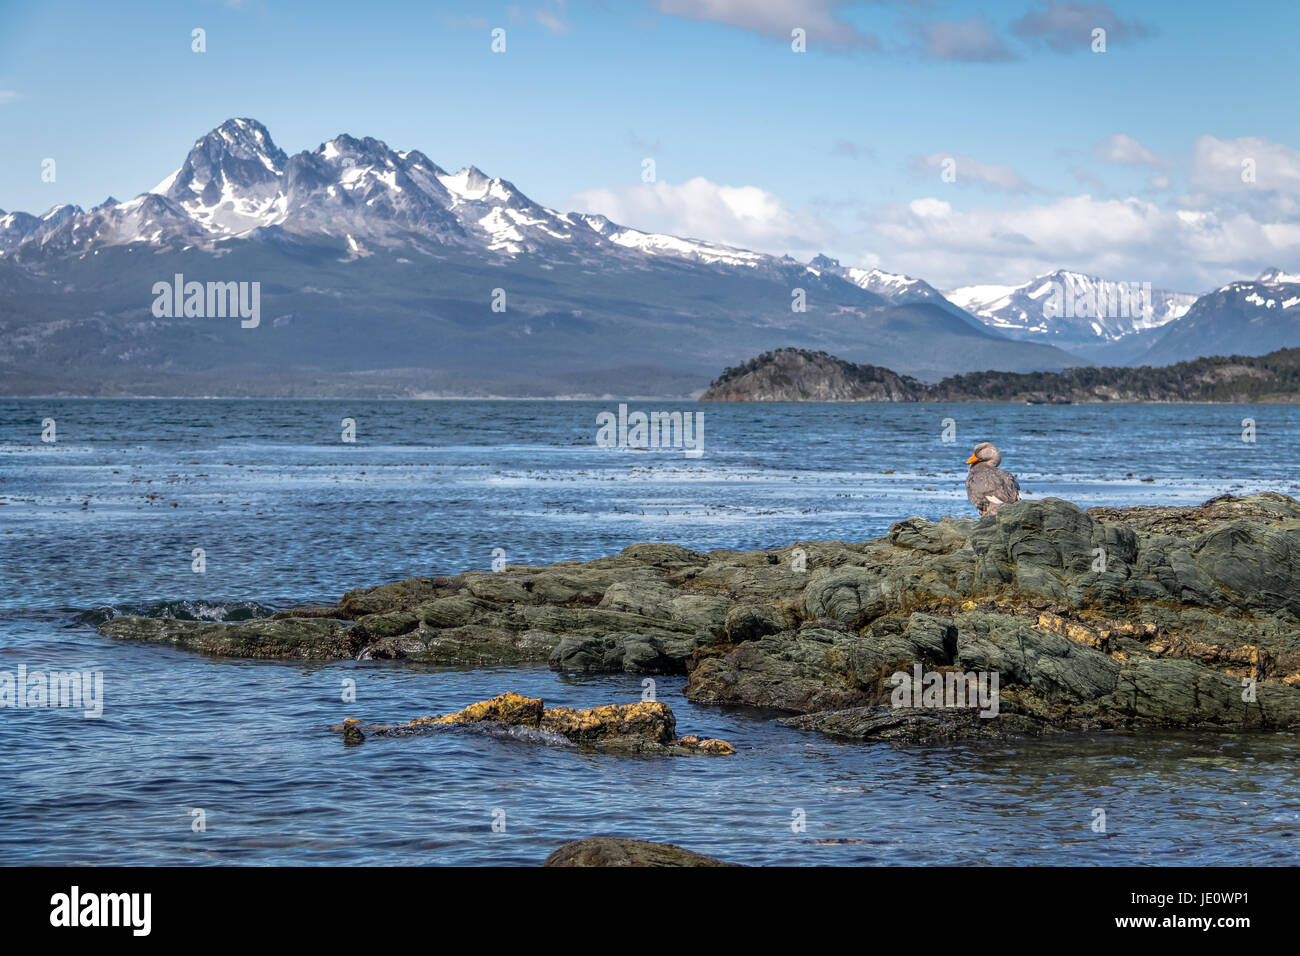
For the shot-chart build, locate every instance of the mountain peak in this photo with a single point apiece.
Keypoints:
(1071, 308)
(246, 134)
(60, 212)
(365, 148)
(468, 183)
(1275, 276)
(239, 153)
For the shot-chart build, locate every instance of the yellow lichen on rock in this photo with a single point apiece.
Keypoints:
(650, 719)
(1079, 633)
(513, 709)
(647, 726)
(710, 745)
(1129, 629)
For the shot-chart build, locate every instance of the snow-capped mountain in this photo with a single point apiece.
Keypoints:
(1068, 308)
(893, 287)
(1278, 278)
(378, 273)
(376, 265)
(17, 227)
(888, 285)
(236, 182)
(1241, 318)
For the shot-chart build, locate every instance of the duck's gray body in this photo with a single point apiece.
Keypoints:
(987, 486)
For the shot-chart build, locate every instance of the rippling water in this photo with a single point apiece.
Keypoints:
(106, 518)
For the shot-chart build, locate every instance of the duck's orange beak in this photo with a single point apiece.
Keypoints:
(972, 459)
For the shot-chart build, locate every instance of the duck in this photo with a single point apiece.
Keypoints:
(987, 486)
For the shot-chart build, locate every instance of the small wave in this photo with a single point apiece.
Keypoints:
(179, 610)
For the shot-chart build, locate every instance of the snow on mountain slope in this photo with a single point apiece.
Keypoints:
(890, 286)
(893, 288)
(1066, 306)
(236, 181)
(659, 244)
(360, 194)
(1278, 277)
(1241, 318)
(16, 227)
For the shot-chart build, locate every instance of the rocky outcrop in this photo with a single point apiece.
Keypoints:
(614, 851)
(799, 375)
(1151, 616)
(644, 727)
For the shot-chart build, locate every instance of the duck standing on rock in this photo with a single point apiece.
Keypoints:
(987, 485)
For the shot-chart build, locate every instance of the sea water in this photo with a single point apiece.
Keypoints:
(200, 760)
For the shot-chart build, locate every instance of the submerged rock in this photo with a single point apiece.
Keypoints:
(643, 727)
(1132, 617)
(352, 731)
(614, 851)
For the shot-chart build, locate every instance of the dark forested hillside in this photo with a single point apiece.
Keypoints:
(799, 375)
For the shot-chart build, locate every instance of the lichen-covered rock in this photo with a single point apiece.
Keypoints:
(615, 851)
(647, 727)
(1150, 616)
(513, 709)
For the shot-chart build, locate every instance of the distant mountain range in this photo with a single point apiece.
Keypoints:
(382, 274)
(1246, 318)
(798, 375)
(1071, 309)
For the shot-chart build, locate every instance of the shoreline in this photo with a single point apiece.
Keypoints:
(1188, 606)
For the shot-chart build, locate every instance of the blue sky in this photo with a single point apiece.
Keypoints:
(1123, 162)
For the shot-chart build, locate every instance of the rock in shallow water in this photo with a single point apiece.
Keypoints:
(647, 727)
(1150, 616)
(613, 851)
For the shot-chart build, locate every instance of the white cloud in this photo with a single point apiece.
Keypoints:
(1218, 165)
(1125, 150)
(1129, 239)
(776, 18)
(744, 216)
(995, 176)
(1221, 230)
(8, 96)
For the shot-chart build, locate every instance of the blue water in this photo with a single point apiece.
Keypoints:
(106, 518)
